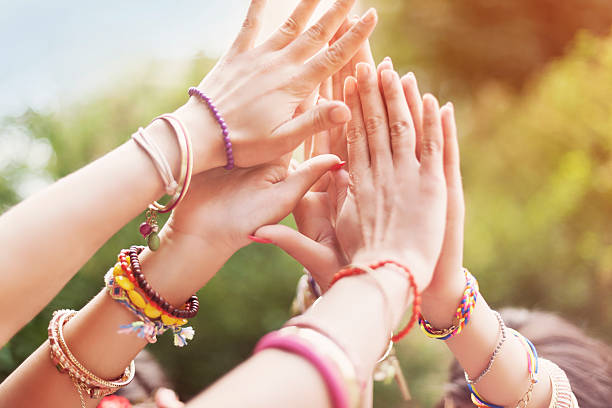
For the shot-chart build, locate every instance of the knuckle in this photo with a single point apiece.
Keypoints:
(290, 27)
(335, 55)
(374, 124)
(249, 23)
(317, 33)
(354, 134)
(399, 128)
(431, 147)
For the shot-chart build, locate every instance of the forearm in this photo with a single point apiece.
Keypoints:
(507, 381)
(92, 334)
(352, 312)
(69, 221)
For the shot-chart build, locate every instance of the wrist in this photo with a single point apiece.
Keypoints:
(422, 276)
(439, 303)
(206, 135)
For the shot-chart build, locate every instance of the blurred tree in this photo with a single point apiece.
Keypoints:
(465, 43)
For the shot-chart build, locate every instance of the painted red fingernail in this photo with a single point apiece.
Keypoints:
(260, 240)
(338, 166)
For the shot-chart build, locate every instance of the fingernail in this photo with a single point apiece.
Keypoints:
(260, 240)
(387, 59)
(350, 86)
(369, 16)
(338, 166)
(340, 114)
(451, 107)
(387, 77)
(363, 69)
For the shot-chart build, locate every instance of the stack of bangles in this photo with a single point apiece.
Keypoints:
(84, 380)
(314, 344)
(562, 394)
(127, 285)
(175, 189)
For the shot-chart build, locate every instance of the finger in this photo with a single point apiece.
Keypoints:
(356, 138)
(308, 103)
(432, 143)
(320, 144)
(325, 89)
(385, 64)
(415, 103)
(166, 398)
(311, 254)
(452, 170)
(346, 25)
(401, 128)
(293, 26)
(318, 119)
(318, 35)
(330, 60)
(308, 148)
(338, 190)
(250, 27)
(374, 117)
(304, 177)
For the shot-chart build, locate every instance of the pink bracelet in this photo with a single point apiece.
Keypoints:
(336, 388)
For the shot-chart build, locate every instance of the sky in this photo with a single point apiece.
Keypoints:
(53, 52)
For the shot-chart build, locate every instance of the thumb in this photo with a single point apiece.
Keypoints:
(315, 257)
(322, 117)
(305, 176)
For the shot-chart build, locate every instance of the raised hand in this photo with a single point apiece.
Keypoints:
(258, 89)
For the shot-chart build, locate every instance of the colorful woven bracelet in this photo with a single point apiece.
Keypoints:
(224, 129)
(532, 368)
(416, 298)
(462, 315)
(150, 228)
(85, 382)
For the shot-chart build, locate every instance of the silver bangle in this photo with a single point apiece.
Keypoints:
(500, 342)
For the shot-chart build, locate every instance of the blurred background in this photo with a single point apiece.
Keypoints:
(532, 84)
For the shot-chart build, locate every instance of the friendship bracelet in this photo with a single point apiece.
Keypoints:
(149, 228)
(562, 395)
(84, 380)
(158, 158)
(500, 342)
(331, 362)
(462, 315)
(193, 91)
(532, 368)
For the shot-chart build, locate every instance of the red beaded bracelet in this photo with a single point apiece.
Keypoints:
(416, 298)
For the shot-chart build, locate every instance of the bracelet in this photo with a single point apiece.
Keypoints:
(416, 299)
(192, 305)
(326, 356)
(150, 228)
(152, 319)
(84, 380)
(158, 158)
(562, 395)
(226, 139)
(462, 315)
(501, 339)
(532, 368)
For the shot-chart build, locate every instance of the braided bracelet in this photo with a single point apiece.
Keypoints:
(416, 299)
(462, 315)
(562, 395)
(224, 129)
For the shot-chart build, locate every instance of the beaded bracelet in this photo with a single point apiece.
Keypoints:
(224, 129)
(462, 315)
(532, 368)
(416, 298)
(500, 342)
(327, 357)
(150, 228)
(85, 382)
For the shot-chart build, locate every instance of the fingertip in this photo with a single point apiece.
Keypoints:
(430, 102)
(363, 70)
(387, 77)
(370, 16)
(339, 113)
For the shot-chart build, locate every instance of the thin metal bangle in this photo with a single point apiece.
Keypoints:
(500, 342)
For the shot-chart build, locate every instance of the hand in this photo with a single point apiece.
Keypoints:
(315, 245)
(396, 204)
(222, 208)
(258, 89)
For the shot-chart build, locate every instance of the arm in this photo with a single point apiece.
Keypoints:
(71, 219)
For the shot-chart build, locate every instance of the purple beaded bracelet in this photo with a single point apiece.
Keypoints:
(226, 139)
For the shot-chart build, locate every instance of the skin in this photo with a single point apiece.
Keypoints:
(281, 72)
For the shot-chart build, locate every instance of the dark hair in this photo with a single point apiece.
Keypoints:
(586, 361)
